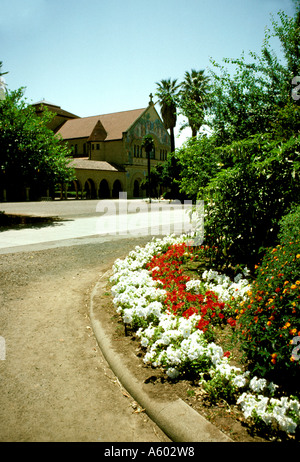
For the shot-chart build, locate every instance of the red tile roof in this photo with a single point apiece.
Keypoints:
(113, 124)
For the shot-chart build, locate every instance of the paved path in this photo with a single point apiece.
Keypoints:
(55, 384)
(100, 220)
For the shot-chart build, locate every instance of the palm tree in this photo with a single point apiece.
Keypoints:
(166, 92)
(194, 95)
(2, 83)
(148, 145)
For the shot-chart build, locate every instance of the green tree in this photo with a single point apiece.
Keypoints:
(256, 140)
(148, 145)
(249, 101)
(30, 154)
(167, 91)
(194, 98)
(2, 85)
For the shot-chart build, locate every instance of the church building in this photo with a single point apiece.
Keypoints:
(107, 149)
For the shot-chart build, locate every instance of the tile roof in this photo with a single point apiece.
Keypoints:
(83, 163)
(53, 108)
(113, 124)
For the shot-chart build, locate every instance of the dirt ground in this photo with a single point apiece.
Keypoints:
(55, 384)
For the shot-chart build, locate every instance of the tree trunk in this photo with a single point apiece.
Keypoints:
(172, 139)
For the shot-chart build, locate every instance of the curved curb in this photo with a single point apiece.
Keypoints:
(175, 418)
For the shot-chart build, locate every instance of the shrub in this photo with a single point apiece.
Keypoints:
(290, 226)
(269, 320)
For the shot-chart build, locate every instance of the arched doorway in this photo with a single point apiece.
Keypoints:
(89, 189)
(74, 189)
(104, 192)
(136, 188)
(117, 188)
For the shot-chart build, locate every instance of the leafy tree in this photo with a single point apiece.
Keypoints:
(249, 101)
(198, 161)
(2, 85)
(30, 154)
(255, 144)
(167, 91)
(194, 98)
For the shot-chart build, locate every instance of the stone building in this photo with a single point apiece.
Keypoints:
(107, 149)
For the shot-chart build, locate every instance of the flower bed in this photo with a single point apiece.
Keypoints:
(177, 318)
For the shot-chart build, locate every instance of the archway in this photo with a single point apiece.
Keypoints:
(90, 189)
(104, 192)
(117, 188)
(74, 189)
(136, 188)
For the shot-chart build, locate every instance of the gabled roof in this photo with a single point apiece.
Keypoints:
(114, 125)
(53, 108)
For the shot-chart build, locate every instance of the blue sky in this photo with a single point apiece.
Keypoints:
(96, 56)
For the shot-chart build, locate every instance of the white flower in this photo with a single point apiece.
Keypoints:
(127, 317)
(239, 381)
(172, 372)
(257, 384)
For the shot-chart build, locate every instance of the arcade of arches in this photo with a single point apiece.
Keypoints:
(90, 189)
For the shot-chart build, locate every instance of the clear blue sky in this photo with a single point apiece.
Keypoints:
(98, 56)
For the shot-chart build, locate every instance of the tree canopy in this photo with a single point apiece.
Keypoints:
(247, 168)
(31, 156)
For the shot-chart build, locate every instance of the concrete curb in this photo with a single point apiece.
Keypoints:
(176, 419)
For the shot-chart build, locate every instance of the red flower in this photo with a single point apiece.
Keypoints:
(231, 321)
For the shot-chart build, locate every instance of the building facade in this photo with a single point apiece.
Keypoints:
(108, 157)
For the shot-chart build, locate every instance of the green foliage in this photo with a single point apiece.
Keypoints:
(246, 200)
(220, 387)
(290, 225)
(271, 318)
(198, 162)
(31, 155)
(167, 90)
(248, 170)
(193, 99)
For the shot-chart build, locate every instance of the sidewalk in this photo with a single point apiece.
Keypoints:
(109, 219)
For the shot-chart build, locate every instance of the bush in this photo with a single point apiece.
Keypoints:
(269, 321)
(290, 226)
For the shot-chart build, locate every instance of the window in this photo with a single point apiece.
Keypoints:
(163, 154)
(97, 147)
(137, 150)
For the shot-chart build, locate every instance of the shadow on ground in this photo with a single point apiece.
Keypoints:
(10, 221)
